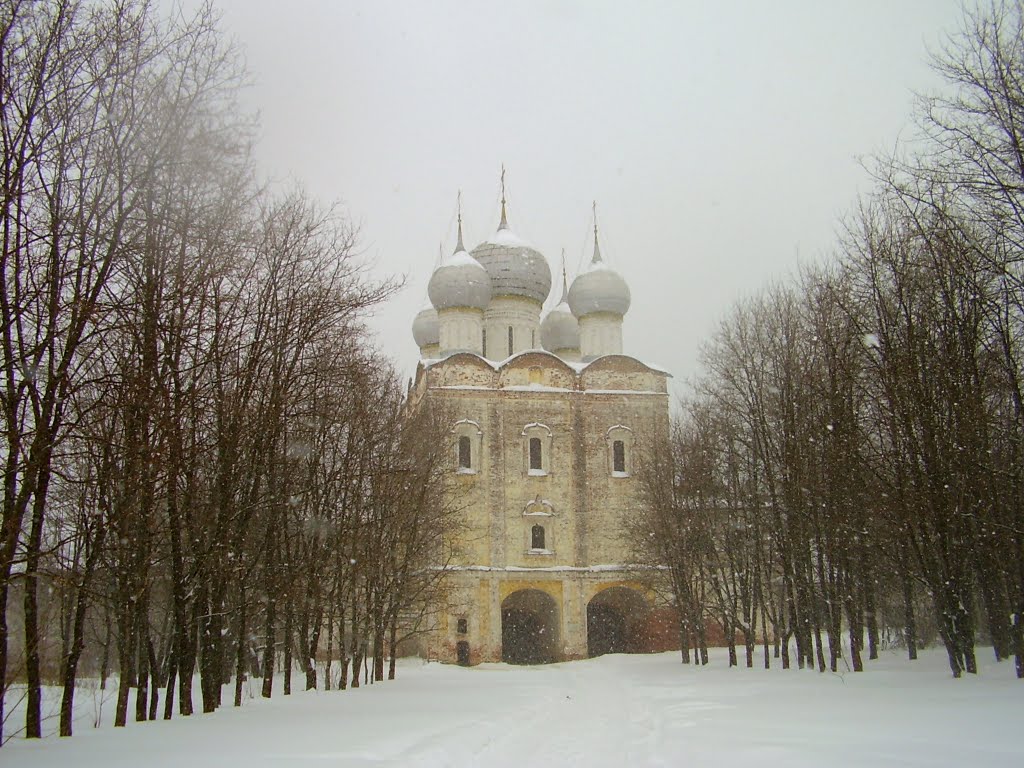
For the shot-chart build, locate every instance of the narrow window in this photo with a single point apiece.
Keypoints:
(618, 456)
(535, 454)
(465, 453)
(533, 339)
(537, 537)
(463, 626)
(483, 342)
(510, 341)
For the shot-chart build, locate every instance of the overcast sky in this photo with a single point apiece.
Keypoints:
(721, 141)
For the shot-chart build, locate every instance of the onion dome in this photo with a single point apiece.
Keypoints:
(515, 267)
(560, 329)
(460, 281)
(426, 329)
(599, 288)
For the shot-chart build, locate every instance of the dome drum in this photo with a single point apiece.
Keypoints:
(600, 334)
(461, 330)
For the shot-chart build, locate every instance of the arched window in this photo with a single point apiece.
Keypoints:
(536, 454)
(537, 537)
(620, 442)
(467, 447)
(510, 341)
(618, 456)
(537, 450)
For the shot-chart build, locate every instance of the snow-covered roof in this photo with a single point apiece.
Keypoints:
(576, 366)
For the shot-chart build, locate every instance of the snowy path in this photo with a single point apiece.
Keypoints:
(614, 711)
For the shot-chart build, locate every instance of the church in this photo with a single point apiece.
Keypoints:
(549, 420)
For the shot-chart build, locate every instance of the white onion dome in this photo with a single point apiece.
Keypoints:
(426, 329)
(599, 289)
(515, 267)
(459, 281)
(559, 329)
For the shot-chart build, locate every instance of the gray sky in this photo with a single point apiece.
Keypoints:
(721, 140)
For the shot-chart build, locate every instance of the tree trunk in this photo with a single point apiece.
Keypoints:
(142, 678)
(909, 622)
(240, 646)
(211, 670)
(330, 648)
(392, 648)
(154, 687)
(77, 644)
(378, 652)
(33, 709)
(187, 660)
(172, 673)
(126, 667)
(871, 614)
(288, 648)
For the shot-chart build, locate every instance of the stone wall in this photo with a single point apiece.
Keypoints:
(576, 411)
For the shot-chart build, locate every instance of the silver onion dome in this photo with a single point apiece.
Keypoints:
(599, 288)
(460, 281)
(426, 329)
(560, 330)
(515, 267)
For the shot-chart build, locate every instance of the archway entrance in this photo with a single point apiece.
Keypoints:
(529, 628)
(616, 619)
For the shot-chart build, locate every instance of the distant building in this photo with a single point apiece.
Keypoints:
(548, 418)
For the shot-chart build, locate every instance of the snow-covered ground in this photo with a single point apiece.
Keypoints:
(612, 711)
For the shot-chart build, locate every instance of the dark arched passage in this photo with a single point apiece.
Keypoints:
(616, 619)
(529, 628)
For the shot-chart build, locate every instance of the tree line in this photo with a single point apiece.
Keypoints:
(849, 469)
(208, 471)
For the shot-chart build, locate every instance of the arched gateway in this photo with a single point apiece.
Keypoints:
(529, 628)
(616, 622)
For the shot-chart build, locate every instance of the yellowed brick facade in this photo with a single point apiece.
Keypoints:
(543, 525)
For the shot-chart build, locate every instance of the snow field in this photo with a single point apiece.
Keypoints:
(612, 711)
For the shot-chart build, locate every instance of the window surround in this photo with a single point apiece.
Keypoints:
(546, 535)
(620, 433)
(469, 429)
(539, 508)
(542, 433)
